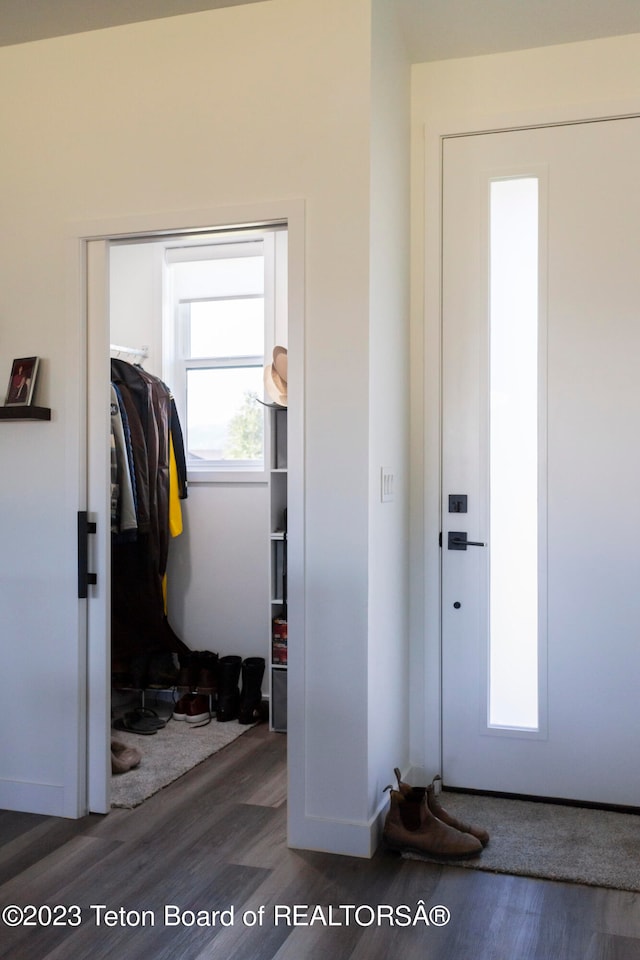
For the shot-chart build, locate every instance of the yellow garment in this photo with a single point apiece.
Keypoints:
(175, 510)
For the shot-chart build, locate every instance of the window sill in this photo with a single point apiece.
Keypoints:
(226, 476)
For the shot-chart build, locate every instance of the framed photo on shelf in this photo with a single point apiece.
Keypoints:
(22, 382)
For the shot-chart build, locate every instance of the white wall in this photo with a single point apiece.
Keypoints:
(554, 84)
(217, 573)
(227, 108)
(218, 591)
(135, 300)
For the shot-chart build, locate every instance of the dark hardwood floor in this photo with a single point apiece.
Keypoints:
(216, 840)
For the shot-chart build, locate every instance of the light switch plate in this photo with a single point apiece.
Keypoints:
(387, 485)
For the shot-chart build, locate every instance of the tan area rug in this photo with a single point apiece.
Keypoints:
(552, 841)
(167, 755)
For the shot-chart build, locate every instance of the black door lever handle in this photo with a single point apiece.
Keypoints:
(458, 541)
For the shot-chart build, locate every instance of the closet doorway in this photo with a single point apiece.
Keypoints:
(217, 588)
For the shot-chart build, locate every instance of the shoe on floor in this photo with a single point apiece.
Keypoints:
(141, 720)
(148, 716)
(410, 827)
(180, 708)
(197, 709)
(438, 810)
(134, 726)
(123, 758)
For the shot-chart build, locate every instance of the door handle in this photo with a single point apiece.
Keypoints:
(85, 527)
(457, 540)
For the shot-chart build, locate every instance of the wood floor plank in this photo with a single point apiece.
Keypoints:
(13, 823)
(618, 913)
(608, 947)
(53, 874)
(269, 777)
(265, 847)
(42, 836)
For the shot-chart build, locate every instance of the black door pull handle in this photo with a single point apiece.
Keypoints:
(458, 541)
(85, 579)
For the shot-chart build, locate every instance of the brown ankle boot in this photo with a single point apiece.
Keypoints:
(432, 802)
(438, 811)
(410, 827)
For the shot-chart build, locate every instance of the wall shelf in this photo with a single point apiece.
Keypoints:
(278, 569)
(25, 413)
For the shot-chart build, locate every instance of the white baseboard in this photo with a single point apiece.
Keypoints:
(26, 797)
(346, 837)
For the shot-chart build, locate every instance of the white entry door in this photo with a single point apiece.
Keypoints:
(541, 462)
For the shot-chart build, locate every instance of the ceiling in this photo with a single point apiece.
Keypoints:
(441, 29)
(24, 20)
(435, 29)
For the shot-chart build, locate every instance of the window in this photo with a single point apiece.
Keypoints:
(514, 322)
(221, 320)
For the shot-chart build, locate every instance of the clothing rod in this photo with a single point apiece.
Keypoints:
(132, 351)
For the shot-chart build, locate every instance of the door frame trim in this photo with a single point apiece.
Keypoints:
(426, 690)
(95, 236)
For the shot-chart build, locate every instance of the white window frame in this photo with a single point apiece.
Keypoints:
(270, 243)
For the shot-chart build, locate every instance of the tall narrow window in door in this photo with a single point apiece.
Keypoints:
(513, 456)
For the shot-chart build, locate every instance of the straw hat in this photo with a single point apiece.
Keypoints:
(275, 377)
(280, 361)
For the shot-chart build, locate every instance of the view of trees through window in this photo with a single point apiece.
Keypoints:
(246, 429)
(224, 419)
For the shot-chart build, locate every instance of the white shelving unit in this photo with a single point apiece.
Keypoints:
(278, 638)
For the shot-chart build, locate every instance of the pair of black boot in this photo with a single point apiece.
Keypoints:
(245, 706)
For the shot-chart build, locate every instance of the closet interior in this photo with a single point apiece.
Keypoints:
(198, 480)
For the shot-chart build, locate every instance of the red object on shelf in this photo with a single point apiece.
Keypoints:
(279, 641)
